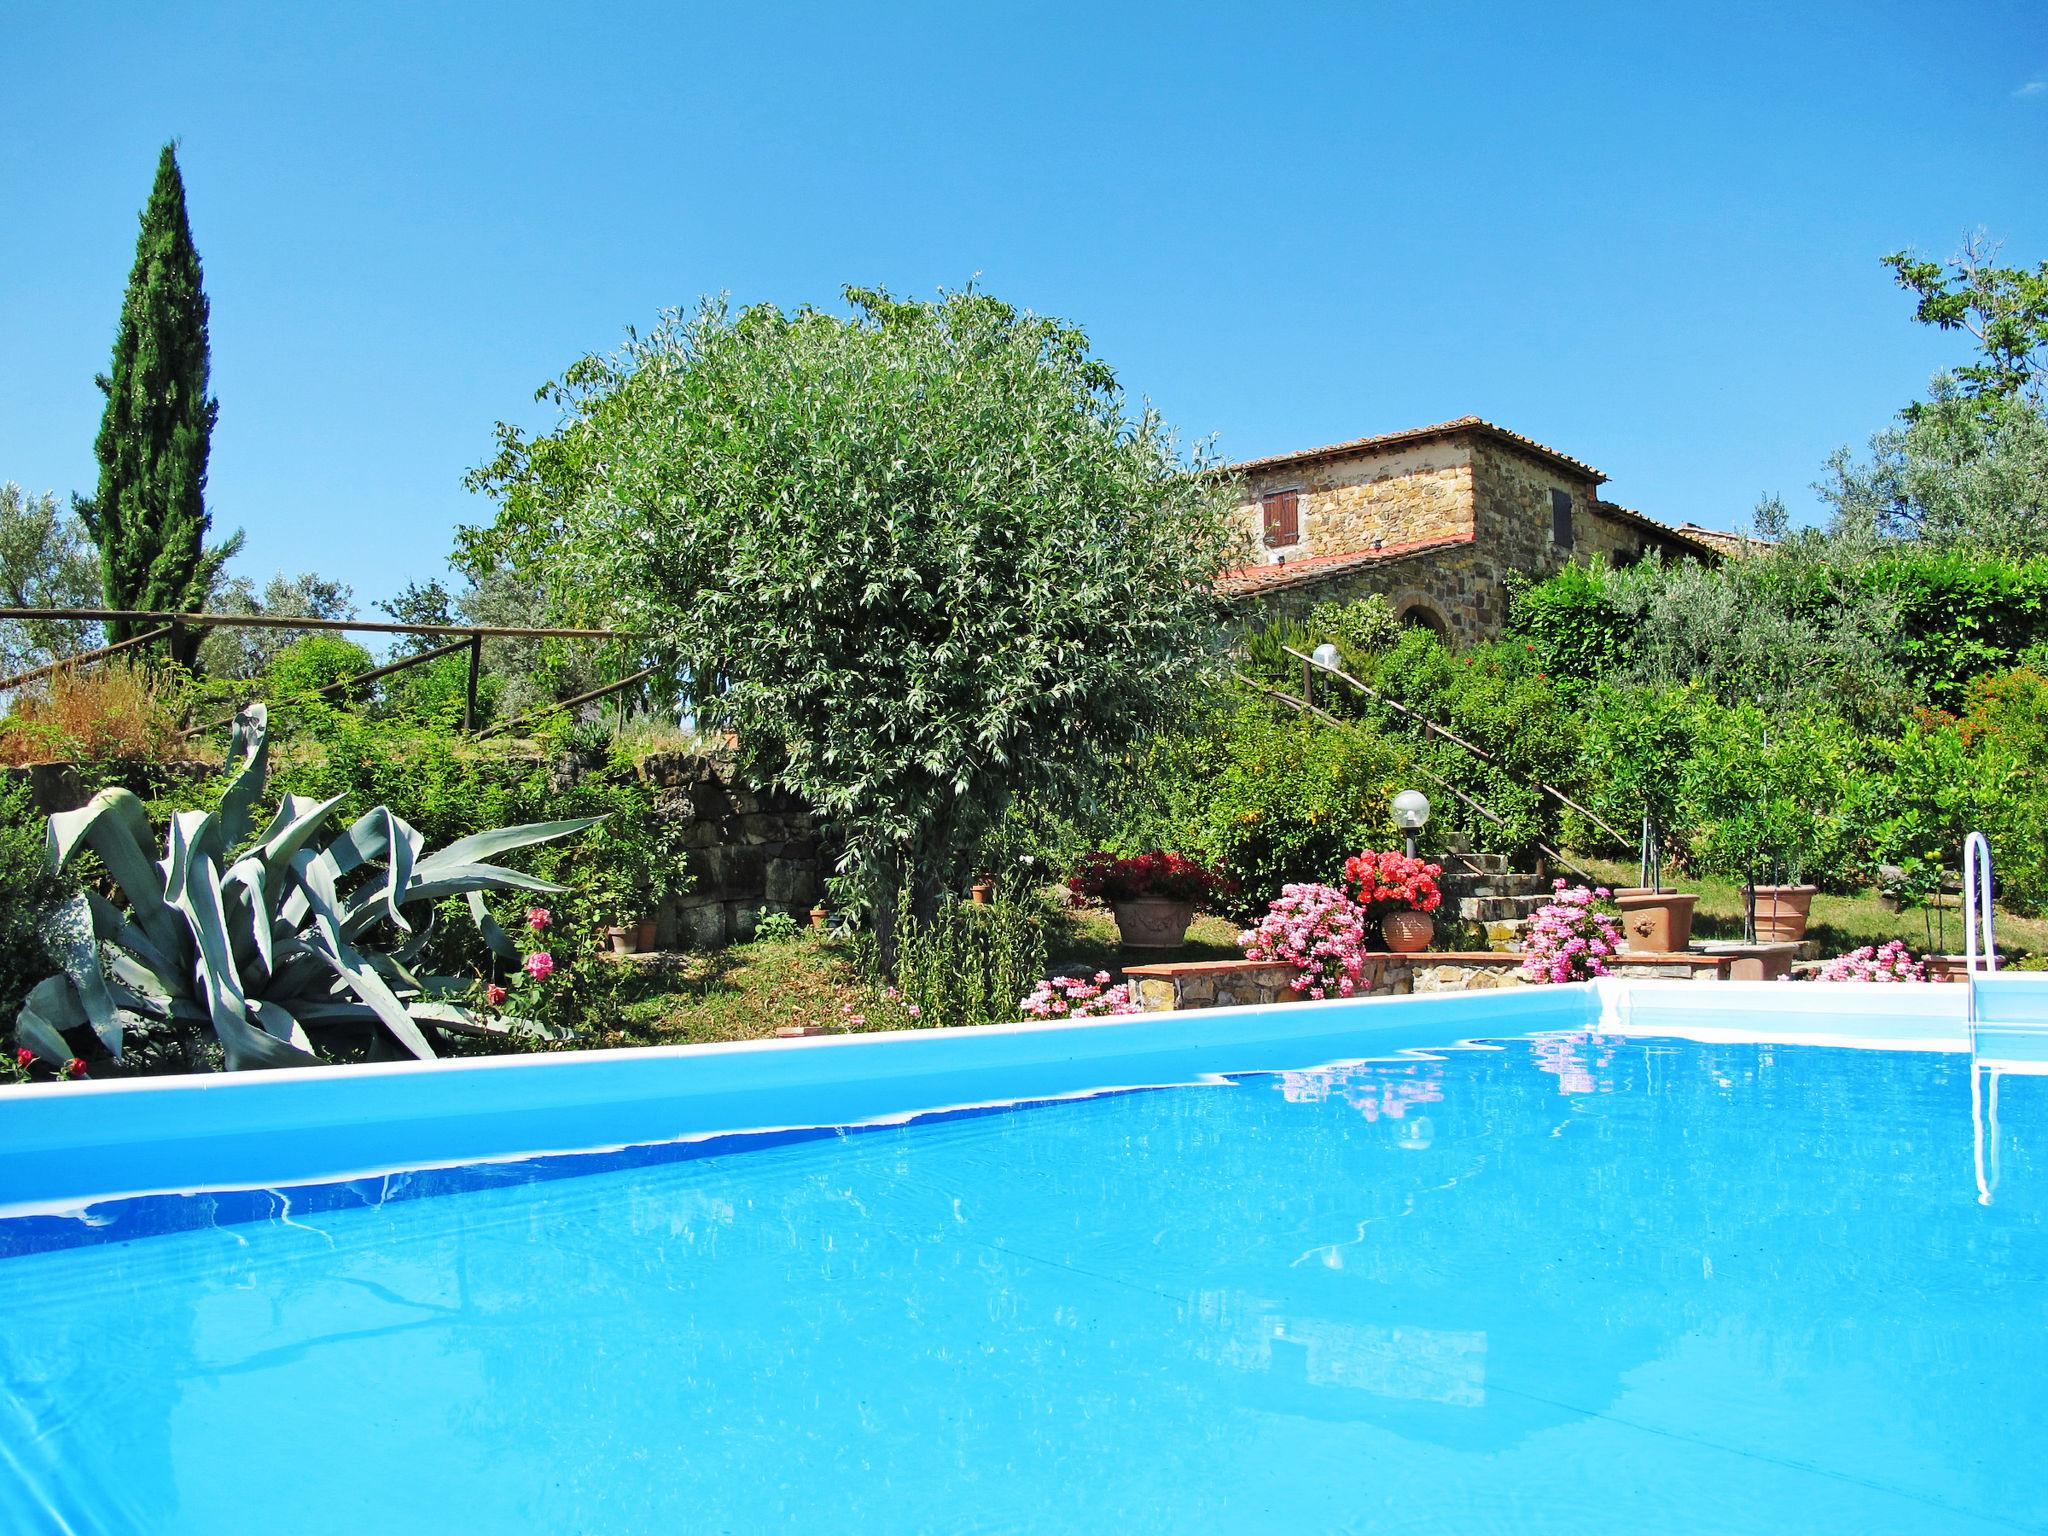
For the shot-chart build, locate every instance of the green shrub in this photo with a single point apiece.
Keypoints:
(1268, 800)
(968, 964)
(308, 665)
(2004, 728)
(30, 892)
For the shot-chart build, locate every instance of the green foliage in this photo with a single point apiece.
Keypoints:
(1954, 476)
(1267, 799)
(2004, 729)
(1633, 756)
(1359, 626)
(772, 927)
(922, 560)
(248, 654)
(2004, 308)
(1578, 634)
(318, 661)
(149, 514)
(46, 561)
(968, 964)
(1960, 616)
(31, 891)
(1769, 798)
(282, 946)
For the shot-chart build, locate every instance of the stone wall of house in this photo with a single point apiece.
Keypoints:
(1458, 591)
(1487, 493)
(747, 850)
(1419, 493)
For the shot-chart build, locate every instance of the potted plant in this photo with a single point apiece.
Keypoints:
(1637, 746)
(1397, 892)
(1751, 798)
(1153, 896)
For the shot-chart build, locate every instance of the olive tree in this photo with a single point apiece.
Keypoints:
(921, 558)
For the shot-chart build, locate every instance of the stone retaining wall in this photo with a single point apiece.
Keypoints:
(1233, 983)
(747, 849)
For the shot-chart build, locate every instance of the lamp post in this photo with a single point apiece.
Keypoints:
(1411, 814)
(1324, 656)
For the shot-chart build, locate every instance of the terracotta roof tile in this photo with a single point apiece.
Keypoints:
(1249, 580)
(1698, 538)
(1463, 426)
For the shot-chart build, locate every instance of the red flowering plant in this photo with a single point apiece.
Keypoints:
(1103, 879)
(25, 1066)
(1393, 882)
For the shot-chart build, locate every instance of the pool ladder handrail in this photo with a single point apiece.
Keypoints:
(1977, 910)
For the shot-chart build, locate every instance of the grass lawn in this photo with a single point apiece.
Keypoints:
(1841, 923)
(748, 991)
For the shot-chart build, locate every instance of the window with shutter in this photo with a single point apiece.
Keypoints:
(1283, 518)
(1561, 519)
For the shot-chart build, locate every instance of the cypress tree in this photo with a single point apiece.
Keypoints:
(149, 515)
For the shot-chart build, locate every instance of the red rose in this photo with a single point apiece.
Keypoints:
(74, 1068)
(24, 1056)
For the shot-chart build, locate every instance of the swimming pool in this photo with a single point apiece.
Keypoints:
(1611, 1258)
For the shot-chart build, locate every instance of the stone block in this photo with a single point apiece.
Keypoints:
(703, 925)
(790, 882)
(1157, 994)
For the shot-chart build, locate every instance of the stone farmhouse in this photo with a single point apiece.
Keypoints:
(1435, 519)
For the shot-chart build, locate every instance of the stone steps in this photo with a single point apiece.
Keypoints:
(1492, 909)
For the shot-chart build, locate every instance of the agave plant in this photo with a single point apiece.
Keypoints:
(277, 946)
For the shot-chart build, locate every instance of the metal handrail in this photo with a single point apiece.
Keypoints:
(1434, 729)
(1977, 908)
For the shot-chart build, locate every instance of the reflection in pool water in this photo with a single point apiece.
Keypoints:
(1561, 1283)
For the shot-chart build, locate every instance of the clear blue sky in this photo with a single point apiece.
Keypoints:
(1647, 235)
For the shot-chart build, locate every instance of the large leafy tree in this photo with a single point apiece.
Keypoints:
(149, 514)
(46, 561)
(921, 558)
(2004, 308)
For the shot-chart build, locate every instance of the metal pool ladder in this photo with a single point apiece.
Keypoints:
(1977, 913)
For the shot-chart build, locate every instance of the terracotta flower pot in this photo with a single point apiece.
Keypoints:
(1407, 933)
(623, 939)
(1152, 922)
(818, 916)
(983, 892)
(1655, 922)
(1781, 912)
(645, 935)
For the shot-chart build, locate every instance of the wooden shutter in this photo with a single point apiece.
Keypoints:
(1283, 518)
(1561, 519)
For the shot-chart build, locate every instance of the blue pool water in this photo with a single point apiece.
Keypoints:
(1563, 1283)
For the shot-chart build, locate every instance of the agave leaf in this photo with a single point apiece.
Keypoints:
(248, 913)
(297, 820)
(416, 946)
(480, 846)
(68, 935)
(128, 941)
(499, 942)
(50, 1008)
(114, 825)
(348, 963)
(278, 1022)
(195, 891)
(367, 905)
(249, 741)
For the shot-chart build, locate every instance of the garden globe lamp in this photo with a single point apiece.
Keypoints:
(1325, 656)
(1411, 814)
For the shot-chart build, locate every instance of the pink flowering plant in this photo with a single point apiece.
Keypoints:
(1319, 931)
(1571, 937)
(1078, 997)
(1889, 961)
